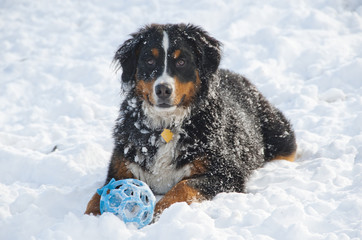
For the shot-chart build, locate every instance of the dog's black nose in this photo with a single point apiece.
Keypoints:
(163, 91)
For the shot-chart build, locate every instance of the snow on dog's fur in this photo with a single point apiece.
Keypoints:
(219, 126)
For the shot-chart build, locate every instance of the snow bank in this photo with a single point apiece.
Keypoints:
(59, 97)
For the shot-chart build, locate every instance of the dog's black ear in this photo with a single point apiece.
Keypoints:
(127, 56)
(208, 49)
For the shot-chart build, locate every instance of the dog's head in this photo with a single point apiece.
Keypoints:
(168, 65)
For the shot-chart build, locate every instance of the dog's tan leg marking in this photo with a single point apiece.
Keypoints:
(181, 192)
(290, 157)
(121, 172)
(93, 205)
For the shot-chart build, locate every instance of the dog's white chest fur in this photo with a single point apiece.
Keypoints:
(163, 174)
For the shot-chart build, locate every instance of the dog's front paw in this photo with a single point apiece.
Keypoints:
(182, 192)
(93, 205)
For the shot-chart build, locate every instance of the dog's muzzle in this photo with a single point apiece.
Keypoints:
(164, 92)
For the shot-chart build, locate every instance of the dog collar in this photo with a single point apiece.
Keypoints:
(167, 135)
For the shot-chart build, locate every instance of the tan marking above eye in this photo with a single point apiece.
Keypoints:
(176, 53)
(155, 52)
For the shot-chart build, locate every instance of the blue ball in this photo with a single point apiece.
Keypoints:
(130, 199)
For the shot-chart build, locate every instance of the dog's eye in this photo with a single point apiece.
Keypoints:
(151, 62)
(180, 63)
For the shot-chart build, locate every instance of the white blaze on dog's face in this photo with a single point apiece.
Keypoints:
(164, 86)
(167, 81)
(167, 78)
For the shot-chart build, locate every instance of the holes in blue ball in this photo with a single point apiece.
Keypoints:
(129, 192)
(130, 200)
(115, 200)
(131, 210)
(136, 184)
(145, 199)
(119, 186)
(145, 216)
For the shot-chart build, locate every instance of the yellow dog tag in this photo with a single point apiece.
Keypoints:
(167, 135)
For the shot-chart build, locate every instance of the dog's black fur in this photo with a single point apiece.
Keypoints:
(229, 128)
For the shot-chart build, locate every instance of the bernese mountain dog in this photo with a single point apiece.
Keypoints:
(187, 128)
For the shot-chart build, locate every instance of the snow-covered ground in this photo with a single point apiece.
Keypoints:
(59, 97)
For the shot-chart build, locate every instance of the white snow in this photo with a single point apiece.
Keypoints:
(59, 99)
